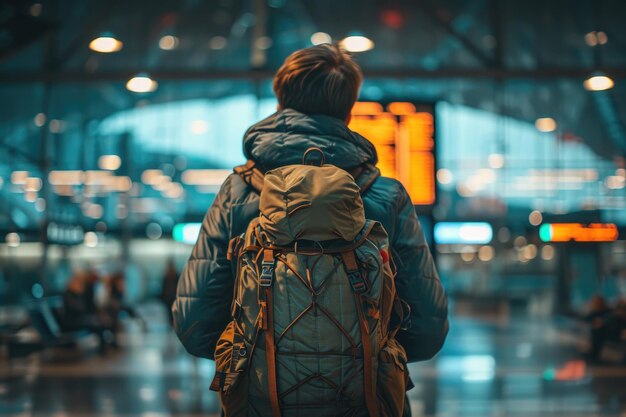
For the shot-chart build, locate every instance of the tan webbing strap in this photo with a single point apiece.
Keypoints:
(268, 255)
(368, 374)
(251, 175)
(358, 283)
(349, 260)
(266, 279)
(270, 355)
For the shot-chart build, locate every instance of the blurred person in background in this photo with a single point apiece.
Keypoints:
(80, 312)
(168, 290)
(619, 322)
(316, 89)
(607, 323)
(116, 302)
(597, 317)
(92, 279)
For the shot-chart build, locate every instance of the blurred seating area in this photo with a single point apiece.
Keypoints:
(486, 367)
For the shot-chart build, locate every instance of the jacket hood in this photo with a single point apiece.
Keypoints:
(282, 138)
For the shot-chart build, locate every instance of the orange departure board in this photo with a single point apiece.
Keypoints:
(565, 232)
(403, 135)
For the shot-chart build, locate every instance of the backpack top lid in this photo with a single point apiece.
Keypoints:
(308, 202)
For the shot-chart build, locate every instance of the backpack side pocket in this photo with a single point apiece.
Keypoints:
(232, 355)
(393, 379)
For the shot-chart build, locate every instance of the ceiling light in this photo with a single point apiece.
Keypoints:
(320, 37)
(591, 39)
(35, 9)
(106, 44)
(496, 160)
(141, 84)
(90, 239)
(545, 124)
(19, 177)
(547, 252)
(57, 126)
(32, 184)
(109, 162)
(218, 42)
(615, 182)
(357, 44)
(444, 176)
(12, 240)
(168, 42)
(173, 190)
(40, 119)
(486, 253)
(264, 42)
(30, 196)
(199, 127)
(535, 218)
(151, 176)
(598, 83)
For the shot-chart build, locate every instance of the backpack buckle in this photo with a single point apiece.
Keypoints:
(356, 279)
(357, 282)
(267, 274)
(267, 268)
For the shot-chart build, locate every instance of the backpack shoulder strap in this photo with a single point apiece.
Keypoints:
(251, 174)
(364, 175)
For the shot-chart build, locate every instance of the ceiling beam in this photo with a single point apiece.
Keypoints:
(186, 75)
(435, 13)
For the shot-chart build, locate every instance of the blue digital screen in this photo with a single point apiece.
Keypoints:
(479, 233)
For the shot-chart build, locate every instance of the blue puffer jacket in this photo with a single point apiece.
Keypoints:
(202, 307)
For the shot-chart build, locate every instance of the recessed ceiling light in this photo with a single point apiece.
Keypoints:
(598, 83)
(357, 44)
(545, 124)
(141, 84)
(320, 37)
(106, 44)
(168, 42)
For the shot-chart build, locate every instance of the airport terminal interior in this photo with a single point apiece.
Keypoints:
(504, 120)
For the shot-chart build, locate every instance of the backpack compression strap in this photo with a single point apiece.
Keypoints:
(359, 286)
(364, 175)
(267, 323)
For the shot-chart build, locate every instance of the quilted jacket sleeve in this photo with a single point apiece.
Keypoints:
(202, 307)
(418, 284)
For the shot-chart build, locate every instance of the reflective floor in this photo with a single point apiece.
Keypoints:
(523, 366)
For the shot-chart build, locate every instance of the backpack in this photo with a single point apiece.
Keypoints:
(315, 310)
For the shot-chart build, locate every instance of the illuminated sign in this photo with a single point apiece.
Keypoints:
(565, 232)
(186, 232)
(478, 233)
(404, 140)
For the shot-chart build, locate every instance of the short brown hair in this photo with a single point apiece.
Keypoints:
(322, 79)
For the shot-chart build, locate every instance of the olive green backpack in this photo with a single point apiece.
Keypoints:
(314, 309)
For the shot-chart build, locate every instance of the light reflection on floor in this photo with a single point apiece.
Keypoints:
(528, 368)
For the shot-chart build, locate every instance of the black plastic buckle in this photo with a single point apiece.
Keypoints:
(267, 274)
(357, 282)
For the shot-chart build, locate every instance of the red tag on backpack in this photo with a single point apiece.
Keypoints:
(384, 255)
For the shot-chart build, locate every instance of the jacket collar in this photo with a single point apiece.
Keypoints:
(282, 138)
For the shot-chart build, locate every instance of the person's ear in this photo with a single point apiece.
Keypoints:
(278, 108)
